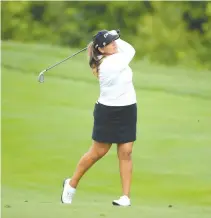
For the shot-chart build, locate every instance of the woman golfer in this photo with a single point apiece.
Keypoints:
(115, 112)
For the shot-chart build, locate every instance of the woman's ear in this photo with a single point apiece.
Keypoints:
(101, 50)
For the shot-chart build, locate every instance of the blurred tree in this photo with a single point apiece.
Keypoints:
(166, 32)
(15, 20)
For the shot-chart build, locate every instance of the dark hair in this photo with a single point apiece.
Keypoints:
(94, 61)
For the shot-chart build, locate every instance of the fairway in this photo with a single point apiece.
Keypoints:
(47, 127)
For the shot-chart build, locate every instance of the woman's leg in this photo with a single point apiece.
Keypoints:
(96, 152)
(124, 152)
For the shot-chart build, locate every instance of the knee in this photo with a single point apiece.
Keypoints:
(125, 154)
(99, 153)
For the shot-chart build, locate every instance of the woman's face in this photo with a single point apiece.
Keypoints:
(109, 49)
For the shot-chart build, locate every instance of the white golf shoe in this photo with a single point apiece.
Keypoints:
(68, 192)
(123, 201)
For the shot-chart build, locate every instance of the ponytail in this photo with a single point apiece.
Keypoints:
(94, 61)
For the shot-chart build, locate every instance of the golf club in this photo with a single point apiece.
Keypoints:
(41, 75)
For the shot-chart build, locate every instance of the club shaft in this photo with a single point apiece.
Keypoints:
(64, 60)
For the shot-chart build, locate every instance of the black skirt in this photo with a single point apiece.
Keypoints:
(114, 124)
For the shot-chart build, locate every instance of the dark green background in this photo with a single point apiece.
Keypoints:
(166, 32)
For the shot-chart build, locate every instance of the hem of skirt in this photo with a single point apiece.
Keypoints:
(113, 141)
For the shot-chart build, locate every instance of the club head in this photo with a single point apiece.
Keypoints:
(41, 77)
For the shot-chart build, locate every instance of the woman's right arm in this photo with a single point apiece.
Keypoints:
(125, 47)
(120, 60)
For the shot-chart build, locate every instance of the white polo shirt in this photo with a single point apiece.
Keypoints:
(115, 77)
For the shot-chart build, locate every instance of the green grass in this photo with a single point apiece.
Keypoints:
(47, 127)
